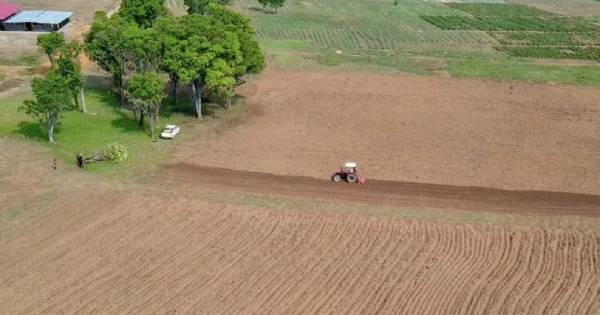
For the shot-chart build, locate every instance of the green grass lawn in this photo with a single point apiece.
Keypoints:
(104, 124)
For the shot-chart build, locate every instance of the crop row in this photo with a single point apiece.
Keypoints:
(370, 39)
(499, 10)
(521, 23)
(582, 53)
(546, 39)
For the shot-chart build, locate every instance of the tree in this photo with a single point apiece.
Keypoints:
(142, 12)
(200, 6)
(50, 44)
(274, 4)
(52, 100)
(201, 49)
(105, 45)
(220, 78)
(252, 60)
(148, 91)
(142, 48)
(170, 31)
(68, 66)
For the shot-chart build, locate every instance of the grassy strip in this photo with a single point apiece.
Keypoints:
(24, 60)
(520, 69)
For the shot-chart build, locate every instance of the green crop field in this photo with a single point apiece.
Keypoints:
(523, 31)
(476, 39)
(519, 40)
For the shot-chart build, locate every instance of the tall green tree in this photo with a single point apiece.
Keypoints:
(68, 66)
(206, 47)
(105, 45)
(200, 6)
(253, 60)
(220, 79)
(274, 4)
(147, 90)
(170, 32)
(52, 100)
(143, 48)
(142, 12)
(50, 44)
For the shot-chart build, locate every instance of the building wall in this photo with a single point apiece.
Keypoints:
(22, 27)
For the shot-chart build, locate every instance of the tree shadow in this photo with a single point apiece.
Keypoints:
(32, 130)
(127, 124)
(261, 10)
(98, 82)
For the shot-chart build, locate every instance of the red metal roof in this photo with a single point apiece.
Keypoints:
(7, 10)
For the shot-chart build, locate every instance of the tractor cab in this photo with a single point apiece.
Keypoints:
(350, 167)
(348, 173)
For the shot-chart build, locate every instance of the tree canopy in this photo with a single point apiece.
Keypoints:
(200, 6)
(147, 90)
(274, 4)
(67, 65)
(105, 44)
(142, 12)
(50, 43)
(210, 49)
(51, 100)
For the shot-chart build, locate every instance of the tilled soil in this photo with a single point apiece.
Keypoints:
(119, 252)
(446, 131)
(376, 192)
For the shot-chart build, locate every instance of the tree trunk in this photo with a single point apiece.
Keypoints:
(118, 84)
(228, 97)
(121, 95)
(141, 121)
(153, 126)
(76, 99)
(174, 82)
(83, 105)
(197, 103)
(51, 132)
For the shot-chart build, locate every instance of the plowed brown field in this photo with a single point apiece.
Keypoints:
(113, 253)
(447, 131)
(203, 237)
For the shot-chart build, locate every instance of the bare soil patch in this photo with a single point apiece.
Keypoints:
(414, 129)
(135, 253)
(376, 192)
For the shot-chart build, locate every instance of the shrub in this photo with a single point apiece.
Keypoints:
(116, 153)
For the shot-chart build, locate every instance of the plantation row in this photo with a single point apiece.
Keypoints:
(499, 10)
(371, 39)
(523, 31)
(521, 23)
(581, 53)
(546, 39)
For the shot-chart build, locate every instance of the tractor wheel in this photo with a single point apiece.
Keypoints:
(351, 178)
(336, 178)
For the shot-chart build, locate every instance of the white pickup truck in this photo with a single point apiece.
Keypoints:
(169, 132)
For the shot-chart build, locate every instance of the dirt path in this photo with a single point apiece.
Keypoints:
(376, 192)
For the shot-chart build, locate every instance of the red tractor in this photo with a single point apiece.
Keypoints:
(348, 173)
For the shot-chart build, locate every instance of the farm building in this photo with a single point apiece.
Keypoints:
(37, 21)
(7, 10)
